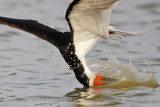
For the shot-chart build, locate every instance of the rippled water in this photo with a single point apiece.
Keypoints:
(33, 73)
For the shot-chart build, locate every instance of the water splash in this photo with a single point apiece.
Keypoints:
(120, 76)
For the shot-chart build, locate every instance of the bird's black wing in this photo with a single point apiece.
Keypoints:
(31, 26)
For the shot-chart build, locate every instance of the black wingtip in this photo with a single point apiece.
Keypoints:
(34, 27)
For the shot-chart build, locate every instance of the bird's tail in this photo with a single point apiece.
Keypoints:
(117, 34)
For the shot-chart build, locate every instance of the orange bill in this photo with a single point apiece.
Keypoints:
(98, 79)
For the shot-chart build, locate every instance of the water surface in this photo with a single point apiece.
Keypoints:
(33, 73)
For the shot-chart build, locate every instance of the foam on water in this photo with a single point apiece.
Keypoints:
(121, 76)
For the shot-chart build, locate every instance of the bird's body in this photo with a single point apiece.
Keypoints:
(88, 21)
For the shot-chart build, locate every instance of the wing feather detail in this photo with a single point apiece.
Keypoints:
(89, 20)
(92, 16)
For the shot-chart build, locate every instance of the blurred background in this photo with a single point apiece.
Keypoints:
(33, 73)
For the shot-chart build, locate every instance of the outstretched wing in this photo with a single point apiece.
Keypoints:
(89, 20)
(38, 29)
(91, 16)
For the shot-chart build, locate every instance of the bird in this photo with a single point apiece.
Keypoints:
(88, 21)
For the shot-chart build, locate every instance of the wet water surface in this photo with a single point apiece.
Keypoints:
(33, 73)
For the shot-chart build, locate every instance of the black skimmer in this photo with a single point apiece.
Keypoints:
(88, 21)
